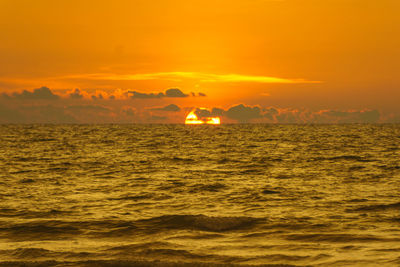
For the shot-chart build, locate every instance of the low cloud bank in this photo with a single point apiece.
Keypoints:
(42, 105)
(35, 114)
(254, 114)
(87, 113)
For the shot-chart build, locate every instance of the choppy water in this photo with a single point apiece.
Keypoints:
(122, 195)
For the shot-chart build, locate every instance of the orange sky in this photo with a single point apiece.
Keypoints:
(314, 54)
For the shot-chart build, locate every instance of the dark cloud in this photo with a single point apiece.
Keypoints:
(270, 113)
(8, 115)
(99, 96)
(46, 114)
(6, 96)
(217, 112)
(173, 92)
(171, 108)
(288, 117)
(202, 94)
(370, 116)
(144, 95)
(336, 113)
(334, 116)
(243, 114)
(39, 93)
(129, 111)
(88, 108)
(92, 114)
(202, 113)
(76, 94)
(158, 118)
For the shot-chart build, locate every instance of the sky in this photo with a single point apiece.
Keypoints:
(267, 60)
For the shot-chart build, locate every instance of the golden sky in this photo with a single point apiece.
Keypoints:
(314, 54)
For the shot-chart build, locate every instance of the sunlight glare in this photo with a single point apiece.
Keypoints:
(192, 118)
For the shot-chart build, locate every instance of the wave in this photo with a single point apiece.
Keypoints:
(24, 253)
(55, 230)
(228, 160)
(270, 192)
(378, 207)
(214, 187)
(201, 222)
(156, 250)
(49, 230)
(30, 214)
(389, 168)
(134, 197)
(43, 254)
(343, 158)
(177, 159)
(339, 238)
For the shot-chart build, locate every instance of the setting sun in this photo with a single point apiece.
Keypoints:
(192, 118)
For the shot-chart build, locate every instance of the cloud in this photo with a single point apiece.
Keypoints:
(35, 114)
(175, 92)
(270, 113)
(335, 116)
(158, 118)
(129, 111)
(76, 94)
(172, 92)
(39, 93)
(5, 96)
(44, 93)
(288, 116)
(95, 108)
(8, 115)
(202, 113)
(369, 116)
(169, 108)
(178, 76)
(243, 114)
(202, 94)
(92, 113)
(217, 112)
(47, 114)
(99, 96)
(139, 95)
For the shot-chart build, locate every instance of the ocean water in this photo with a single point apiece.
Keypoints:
(176, 195)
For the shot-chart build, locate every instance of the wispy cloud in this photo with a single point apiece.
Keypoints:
(179, 76)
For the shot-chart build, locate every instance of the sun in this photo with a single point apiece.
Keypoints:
(192, 118)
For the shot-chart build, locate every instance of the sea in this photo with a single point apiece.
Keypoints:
(200, 195)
